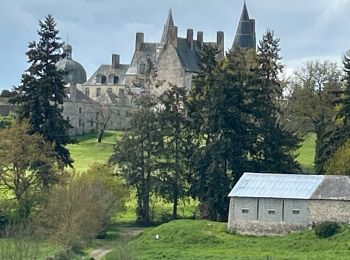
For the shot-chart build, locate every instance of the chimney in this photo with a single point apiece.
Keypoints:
(220, 41)
(190, 38)
(115, 61)
(200, 39)
(139, 41)
(73, 91)
(172, 37)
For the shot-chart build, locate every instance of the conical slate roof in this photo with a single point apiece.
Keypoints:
(169, 22)
(245, 35)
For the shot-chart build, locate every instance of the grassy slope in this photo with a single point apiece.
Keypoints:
(87, 151)
(307, 153)
(199, 239)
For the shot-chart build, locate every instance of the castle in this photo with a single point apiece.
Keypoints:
(108, 95)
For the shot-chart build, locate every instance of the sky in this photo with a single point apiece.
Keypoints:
(308, 29)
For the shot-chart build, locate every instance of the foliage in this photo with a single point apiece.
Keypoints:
(312, 102)
(80, 210)
(27, 165)
(327, 229)
(6, 121)
(275, 148)
(336, 143)
(137, 154)
(177, 146)
(338, 164)
(212, 241)
(41, 93)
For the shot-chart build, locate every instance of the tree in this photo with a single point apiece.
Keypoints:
(104, 112)
(27, 165)
(337, 147)
(312, 101)
(137, 154)
(81, 209)
(41, 93)
(220, 123)
(177, 145)
(276, 147)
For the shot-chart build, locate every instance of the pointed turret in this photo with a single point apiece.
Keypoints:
(168, 24)
(245, 36)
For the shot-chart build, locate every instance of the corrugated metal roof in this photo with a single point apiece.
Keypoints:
(266, 185)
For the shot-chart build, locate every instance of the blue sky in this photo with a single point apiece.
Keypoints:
(308, 29)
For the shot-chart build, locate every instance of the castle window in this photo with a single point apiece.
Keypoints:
(87, 91)
(79, 110)
(142, 69)
(118, 112)
(98, 92)
(91, 122)
(103, 79)
(115, 80)
(68, 118)
(79, 121)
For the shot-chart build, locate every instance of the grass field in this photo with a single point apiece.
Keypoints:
(199, 239)
(88, 151)
(307, 153)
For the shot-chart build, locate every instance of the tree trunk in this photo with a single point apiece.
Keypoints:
(100, 135)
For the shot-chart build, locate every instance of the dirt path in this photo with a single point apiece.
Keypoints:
(126, 234)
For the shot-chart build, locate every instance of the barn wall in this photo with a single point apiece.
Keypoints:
(329, 210)
(259, 221)
(267, 207)
(291, 207)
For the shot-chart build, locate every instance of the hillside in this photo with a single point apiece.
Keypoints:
(87, 150)
(199, 239)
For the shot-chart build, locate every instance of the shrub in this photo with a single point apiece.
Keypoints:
(327, 229)
(79, 211)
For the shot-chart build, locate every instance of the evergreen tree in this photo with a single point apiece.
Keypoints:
(275, 146)
(41, 93)
(340, 134)
(137, 154)
(177, 145)
(218, 113)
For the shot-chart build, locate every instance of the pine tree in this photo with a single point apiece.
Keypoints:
(138, 153)
(41, 93)
(177, 144)
(276, 147)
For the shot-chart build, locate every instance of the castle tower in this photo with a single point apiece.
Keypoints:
(245, 36)
(169, 23)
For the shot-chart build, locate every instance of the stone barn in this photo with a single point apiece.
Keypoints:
(264, 204)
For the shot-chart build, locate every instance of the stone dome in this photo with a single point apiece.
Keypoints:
(74, 71)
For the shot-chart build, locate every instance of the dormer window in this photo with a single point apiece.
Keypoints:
(115, 80)
(142, 69)
(103, 79)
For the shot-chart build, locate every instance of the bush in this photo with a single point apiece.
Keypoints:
(79, 211)
(327, 229)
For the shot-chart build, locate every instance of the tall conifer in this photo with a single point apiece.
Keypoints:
(41, 93)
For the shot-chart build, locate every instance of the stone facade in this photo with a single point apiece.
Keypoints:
(113, 87)
(329, 210)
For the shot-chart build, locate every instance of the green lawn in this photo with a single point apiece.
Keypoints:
(199, 239)
(307, 153)
(88, 151)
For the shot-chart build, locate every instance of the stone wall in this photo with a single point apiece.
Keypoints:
(264, 228)
(329, 210)
(81, 116)
(169, 68)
